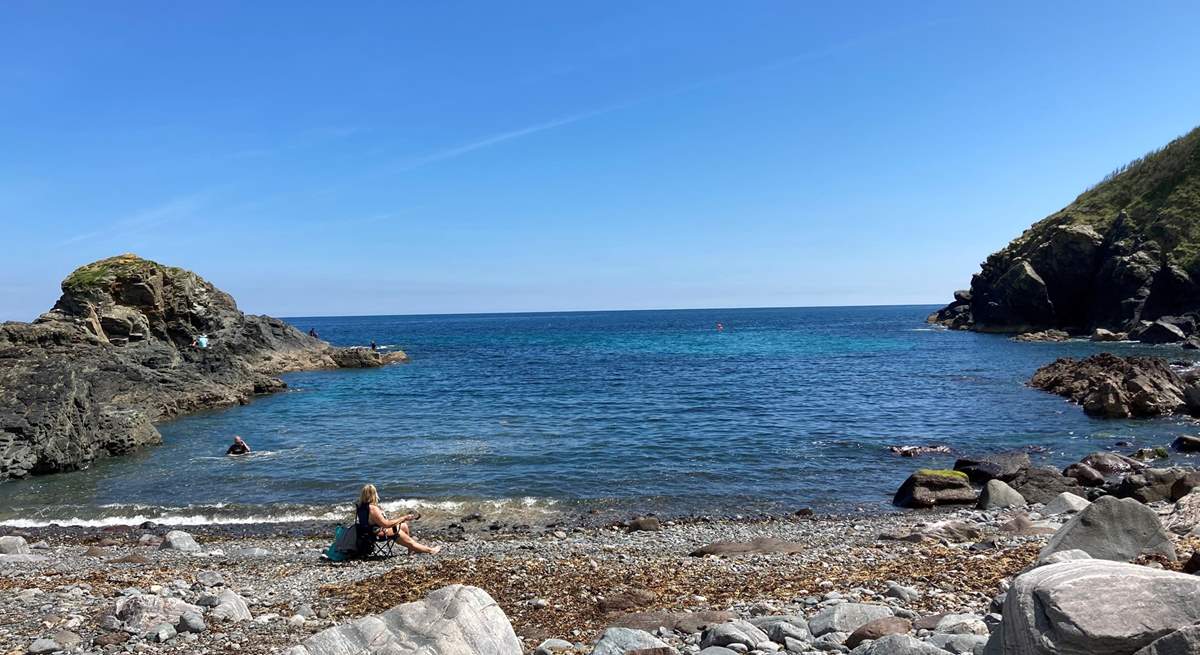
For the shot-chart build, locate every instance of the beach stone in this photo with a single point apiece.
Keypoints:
(878, 628)
(933, 487)
(760, 545)
(1185, 641)
(846, 617)
(210, 579)
(22, 559)
(296, 621)
(645, 524)
(685, 622)
(961, 624)
(1137, 606)
(453, 620)
(717, 650)
(1186, 444)
(998, 495)
(734, 632)
(1185, 485)
(626, 600)
(959, 644)
(1064, 556)
(1150, 485)
(1114, 529)
(790, 628)
(1042, 484)
(43, 645)
(250, 552)
(552, 646)
(1065, 503)
(621, 641)
(141, 613)
(1112, 463)
(900, 592)
(998, 466)
(231, 607)
(163, 632)
(180, 541)
(1084, 475)
(13, 545)
(67, 640)
(111, 639)
(191, 622)
(897, 645)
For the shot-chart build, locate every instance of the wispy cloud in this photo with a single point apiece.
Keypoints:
(175, 209)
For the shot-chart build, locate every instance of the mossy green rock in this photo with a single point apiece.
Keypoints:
(933, 487)
(1124, 251)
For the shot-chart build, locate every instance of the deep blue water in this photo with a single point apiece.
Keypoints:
(633, 411)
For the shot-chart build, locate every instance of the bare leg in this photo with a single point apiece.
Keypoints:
(403, 536)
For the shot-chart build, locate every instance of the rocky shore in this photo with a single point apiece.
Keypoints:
(931, 582)
(132, 342)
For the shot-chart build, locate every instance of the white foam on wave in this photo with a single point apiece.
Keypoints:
(338, 514)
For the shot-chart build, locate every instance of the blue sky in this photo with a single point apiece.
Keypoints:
(411, 158)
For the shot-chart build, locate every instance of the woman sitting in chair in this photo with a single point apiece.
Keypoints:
(370, 515)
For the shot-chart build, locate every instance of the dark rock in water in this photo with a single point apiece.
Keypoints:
(1100, 334)
(932, 487)
(1084, 475)
(1150, 485)
(1150, 454)
(1043, 484)
(1118, 387)
(90, 377)
(999, 466)
(804, 512)
(1123, 252)
(1186, 444)
(1192, 343)
(1110, 463)
(1120, 529)
(1044, 336)
(1157, 332)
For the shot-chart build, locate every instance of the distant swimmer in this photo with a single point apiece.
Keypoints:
(373, 346)
(238, 447)
(720, 327)
(312, 332)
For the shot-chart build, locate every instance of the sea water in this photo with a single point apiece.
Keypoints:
(628, 411)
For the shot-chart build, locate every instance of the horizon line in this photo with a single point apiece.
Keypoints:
(596, 311)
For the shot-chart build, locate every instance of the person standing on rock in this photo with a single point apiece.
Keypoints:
(239, 447)
(371, 517)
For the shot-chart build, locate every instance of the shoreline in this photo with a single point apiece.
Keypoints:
(559, 581)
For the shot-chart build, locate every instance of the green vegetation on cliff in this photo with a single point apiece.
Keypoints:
(102, 274)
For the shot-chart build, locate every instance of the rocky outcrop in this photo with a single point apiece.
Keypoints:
(1124, 251)
(1119, 387)
(453, 620)
(1056, 610)
(120, 351)
(932, 487)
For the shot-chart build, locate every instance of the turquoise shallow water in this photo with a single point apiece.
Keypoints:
(636, 411)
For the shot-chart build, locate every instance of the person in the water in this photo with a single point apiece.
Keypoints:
(373, 345)
(238, 447)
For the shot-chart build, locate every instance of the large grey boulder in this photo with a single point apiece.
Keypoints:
(998, 495)
(180, 541)
(231, 607)
(932, 487)
(619, 641)
(1094, 607)
(453, 620)
(11, 545)
(1118, 529)
(1065, 503)
(846, 617)
(1185, 641)
(734, 632)
(139, 614)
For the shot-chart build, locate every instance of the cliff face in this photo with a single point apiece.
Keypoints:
(1125, 251)
(91, 376)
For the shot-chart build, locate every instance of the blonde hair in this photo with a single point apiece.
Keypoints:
(368, 495)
